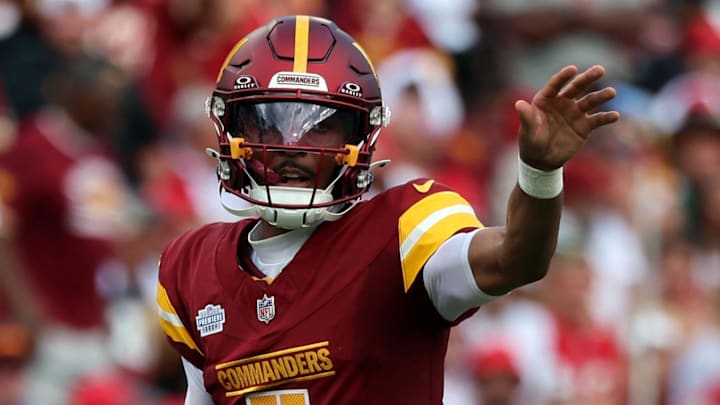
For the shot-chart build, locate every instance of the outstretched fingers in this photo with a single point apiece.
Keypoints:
(602, 118)
(558, 81)
(595, 99)
(582, 82)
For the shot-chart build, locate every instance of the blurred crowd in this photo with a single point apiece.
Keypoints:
(102, 138)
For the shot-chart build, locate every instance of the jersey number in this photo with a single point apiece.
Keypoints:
(280, 397)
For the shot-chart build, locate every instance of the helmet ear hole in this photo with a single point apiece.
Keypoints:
(355, 181)
(363, 179)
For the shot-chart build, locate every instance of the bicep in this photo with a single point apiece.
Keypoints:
(449, 279)
(484, 255)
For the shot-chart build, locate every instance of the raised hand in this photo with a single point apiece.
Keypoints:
(562, 116)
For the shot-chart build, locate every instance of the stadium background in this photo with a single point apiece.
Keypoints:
(630, 313)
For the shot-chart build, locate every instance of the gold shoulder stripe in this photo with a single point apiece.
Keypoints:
(229, 56)
(302, 39)
(170, 322)
(426, 225)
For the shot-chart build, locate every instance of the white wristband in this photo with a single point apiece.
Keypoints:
(539, 183)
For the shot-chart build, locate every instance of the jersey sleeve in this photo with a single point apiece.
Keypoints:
(432, 215)
(173, 318)
(449, 279)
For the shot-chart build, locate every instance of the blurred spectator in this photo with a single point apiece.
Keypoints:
(702, 36)
(688, 109)
(675, 337)
(66, 194)
(658, 54)
(382, 27)
(48, 32)
(448, 24)
(179, 176)
(496, 376)
(16, 346)
(614, 247)
(520, 326)
(688, 98)
(592, 366)
(429, 73)
(168, 44)
(156, 379)
(549, 340)
(428, 137)
(27, 58)
(540, 35)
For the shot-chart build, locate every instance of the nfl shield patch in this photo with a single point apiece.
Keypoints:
(266, 308)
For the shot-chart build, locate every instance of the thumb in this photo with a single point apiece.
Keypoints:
(525, 111)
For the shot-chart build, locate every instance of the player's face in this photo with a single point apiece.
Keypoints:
(298, 125)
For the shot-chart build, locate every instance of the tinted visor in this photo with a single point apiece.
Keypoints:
(295, 124)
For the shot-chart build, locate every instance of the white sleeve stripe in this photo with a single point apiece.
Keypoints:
(417, 233)
(172, 318)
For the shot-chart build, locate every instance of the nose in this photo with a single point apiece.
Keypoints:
(293, 152)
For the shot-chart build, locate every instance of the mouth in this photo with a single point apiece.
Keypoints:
(292, 177)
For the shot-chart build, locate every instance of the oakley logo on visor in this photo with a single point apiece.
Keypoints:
(292, 80)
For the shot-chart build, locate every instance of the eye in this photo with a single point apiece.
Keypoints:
(322, 127)
(270, 136)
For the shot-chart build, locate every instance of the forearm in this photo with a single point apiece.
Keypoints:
(554, 127)
(504, 258)
(531, 235)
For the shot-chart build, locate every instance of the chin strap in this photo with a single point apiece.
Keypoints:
(379, 164)
(287, 218)
(240, 212)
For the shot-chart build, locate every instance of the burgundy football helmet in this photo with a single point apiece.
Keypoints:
(276, 88)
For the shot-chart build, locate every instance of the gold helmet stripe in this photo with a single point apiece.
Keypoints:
(302, 39)
(229, 56)
(367, 59)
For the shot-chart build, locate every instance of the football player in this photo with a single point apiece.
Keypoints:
(62, 214)
(320, 297)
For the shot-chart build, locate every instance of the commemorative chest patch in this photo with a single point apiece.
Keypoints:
(266, 309)
(210, 320)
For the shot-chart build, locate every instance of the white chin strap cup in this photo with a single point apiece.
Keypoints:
(294, 218)
(288, 218)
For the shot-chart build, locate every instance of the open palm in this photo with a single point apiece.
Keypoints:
(561, 117)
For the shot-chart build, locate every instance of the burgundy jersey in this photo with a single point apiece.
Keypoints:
(348, 321)
(61, 194)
